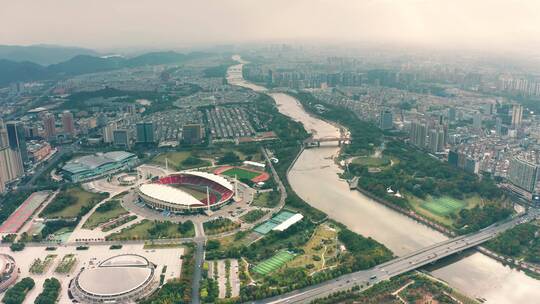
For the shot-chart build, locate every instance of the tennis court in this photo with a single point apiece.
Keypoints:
(443, 205)
(273, 263)
(267, 226)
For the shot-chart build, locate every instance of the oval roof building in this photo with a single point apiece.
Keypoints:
(120, 279)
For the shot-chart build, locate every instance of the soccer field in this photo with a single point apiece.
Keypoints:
(273, 263)
(241, 173)
(443, 205)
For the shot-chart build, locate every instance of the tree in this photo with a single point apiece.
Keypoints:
(229, 158)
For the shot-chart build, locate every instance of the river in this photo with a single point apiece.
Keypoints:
(314, 178)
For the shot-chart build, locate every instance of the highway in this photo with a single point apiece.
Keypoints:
(400, 265)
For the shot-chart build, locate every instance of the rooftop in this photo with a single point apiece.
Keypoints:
(169, 194)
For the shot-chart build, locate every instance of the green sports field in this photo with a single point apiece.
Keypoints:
(273, 263)
(443, 205)
(241, 173)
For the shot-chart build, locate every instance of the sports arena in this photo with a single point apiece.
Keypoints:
(186, 191)
(121, 279)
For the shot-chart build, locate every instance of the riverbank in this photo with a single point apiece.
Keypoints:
(314, 177)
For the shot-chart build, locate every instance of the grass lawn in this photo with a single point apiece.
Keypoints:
(147, 229)
(241, 173)
(441, 209)
(322, 244)
(372, 161)
(99, 217)
(273, 263)
(443, 205)
(253, 215)
(266, 199)
(176, 159)
(220, 225)
(82, 199)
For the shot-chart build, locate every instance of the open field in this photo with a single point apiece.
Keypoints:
(177, 160)
(147, 229)
(441, 209)
(68, 204)
(273, 263)
(372, 161)
(102, 215)
(320, 251)
(443, 205)
(241, 173)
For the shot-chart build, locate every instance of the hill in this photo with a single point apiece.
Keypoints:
(41, 54)
(12, 71)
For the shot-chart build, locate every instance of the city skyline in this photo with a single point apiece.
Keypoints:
(488, 26)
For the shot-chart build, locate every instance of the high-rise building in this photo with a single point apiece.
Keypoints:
(436, 140)
(498, 126)
(68, 125)
(451, 114)
(477, 121)
(386, 120)
(192, 133)
(121, 138)
(517, 115)
(11, 166)
(108, 132)
(471, 165)
(16, 139)
(418, 134)
(4, 141)
(2, 185)
(49, 125)
(145, 133)
(523, 174)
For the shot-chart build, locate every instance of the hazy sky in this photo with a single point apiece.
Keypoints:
(107, 24)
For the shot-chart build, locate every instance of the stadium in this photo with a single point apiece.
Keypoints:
(120, 279)
(185, 192)
(90, 167)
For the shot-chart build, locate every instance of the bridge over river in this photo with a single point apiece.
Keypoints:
(402, 264)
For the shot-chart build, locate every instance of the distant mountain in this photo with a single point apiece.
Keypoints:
(84, 64)
(21, 71)
(11, 71)
(41, 54)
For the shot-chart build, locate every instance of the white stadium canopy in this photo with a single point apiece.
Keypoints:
(169, 194)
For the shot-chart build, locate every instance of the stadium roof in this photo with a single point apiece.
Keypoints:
(91, 162)
(125, 260)
(215, 178)
(169, 194)
(111, 281)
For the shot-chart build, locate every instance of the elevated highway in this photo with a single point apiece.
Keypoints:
(402, 264)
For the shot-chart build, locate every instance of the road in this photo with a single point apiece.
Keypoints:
(400, 265)
(197, 273)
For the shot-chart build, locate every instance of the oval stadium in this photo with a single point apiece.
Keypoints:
(120, 279)
(186, 191)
